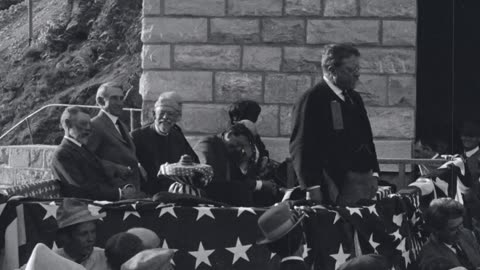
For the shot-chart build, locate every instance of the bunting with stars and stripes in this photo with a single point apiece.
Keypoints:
(211, 237)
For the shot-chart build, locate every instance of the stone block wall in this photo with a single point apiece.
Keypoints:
(213, 52)
(22, 164)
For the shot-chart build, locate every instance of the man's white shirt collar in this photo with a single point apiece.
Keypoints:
(334, 88)
(73, 141)
(471, 152)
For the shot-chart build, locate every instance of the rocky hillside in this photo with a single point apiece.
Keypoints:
(77, 45)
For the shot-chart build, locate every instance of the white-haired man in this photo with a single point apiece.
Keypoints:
(162, 141)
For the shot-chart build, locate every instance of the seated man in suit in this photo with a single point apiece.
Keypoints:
(162, 141)
(231, 156)
(448, 241)
(80, 172)
(110, 139)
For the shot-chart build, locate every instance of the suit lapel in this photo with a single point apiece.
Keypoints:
(110, 126)
(90, 157)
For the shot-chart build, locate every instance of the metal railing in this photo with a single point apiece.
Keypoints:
(402, 162)
(27, 118)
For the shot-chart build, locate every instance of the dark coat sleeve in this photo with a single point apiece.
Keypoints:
(186, 145)
(77, 182)
(307, 142)
(375, 166)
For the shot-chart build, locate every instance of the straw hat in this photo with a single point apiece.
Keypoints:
(73, 211)
(149, 238)
(150, 259)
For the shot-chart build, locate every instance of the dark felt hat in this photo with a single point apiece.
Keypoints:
(277, 222)
(367, 262)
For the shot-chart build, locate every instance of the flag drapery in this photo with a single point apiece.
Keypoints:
(208, 237)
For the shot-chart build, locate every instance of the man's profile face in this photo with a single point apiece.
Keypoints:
(166, 117)
(469, 142)
(82, 239)
(423, 151)
(449, 234)
(112, 101)
(80, 128)
(347, 74)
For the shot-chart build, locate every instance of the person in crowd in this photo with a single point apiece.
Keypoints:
(121, 247)
(149, 238)
(110, 139)
(367, 262)
(162, 141)
(80, 171)
(245, 109)
(230, 154)
(449, 241)
(77, 233)
(283, 234)
(429, 148)
(331, 143)
(470, 137)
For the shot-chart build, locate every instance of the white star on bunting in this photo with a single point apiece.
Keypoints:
(306, 249)
(406, 257)
(169, 210)
(201, 255)
(337, 216)
(165, 246)
(51, 209)
(245, 209)
(397, 235)
(94, 210)
(373, 210)
(354, 210)
(273, 254)
(340, 257)
(397, 219)
(128, 213)
(401, 245)
(54, 247)
(373, 243)
(204, 211)
(239, 251)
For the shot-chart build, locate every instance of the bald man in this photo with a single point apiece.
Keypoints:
(110, 139)
(162, 141)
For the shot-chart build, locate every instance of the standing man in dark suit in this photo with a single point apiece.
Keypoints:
(331, 143)
(80, 172)
(162, 141)
(110, 139)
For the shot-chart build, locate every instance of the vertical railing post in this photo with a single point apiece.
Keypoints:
(30, 22)
(401, 174)
(132, 120)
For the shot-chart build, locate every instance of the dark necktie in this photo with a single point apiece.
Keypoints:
(347, 96)
(462, 257)
(123, 132)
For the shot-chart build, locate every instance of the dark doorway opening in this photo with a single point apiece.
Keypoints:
(448, 67)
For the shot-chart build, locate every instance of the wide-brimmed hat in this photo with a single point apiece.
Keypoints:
(43, 258)
(277, 221)
(150, 259)
(73, 211)
(367, 262)
(149, 238)
(470, 128)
